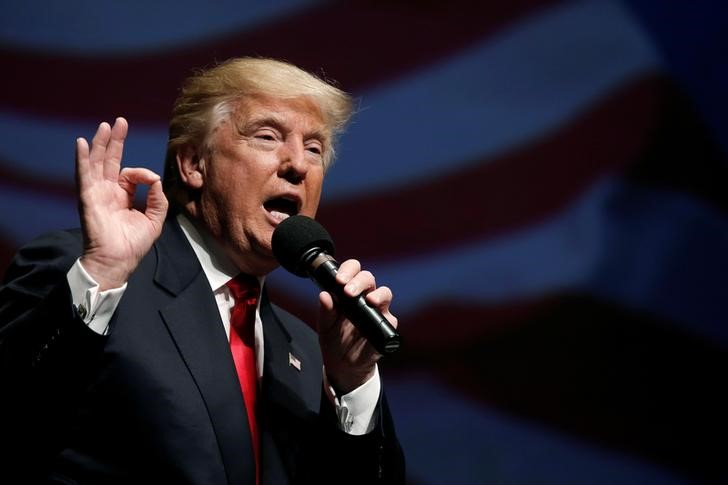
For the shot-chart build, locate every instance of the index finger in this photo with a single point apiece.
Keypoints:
(347, 270)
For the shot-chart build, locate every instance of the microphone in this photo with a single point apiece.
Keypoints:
(303, 247)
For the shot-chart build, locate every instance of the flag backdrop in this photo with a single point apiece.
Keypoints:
(542, 183)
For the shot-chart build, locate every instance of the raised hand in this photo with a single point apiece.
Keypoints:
(116, 236)
(348, 357)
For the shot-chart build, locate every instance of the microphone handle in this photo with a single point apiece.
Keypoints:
(367, 319)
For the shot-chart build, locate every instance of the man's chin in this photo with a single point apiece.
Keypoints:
(263, 254)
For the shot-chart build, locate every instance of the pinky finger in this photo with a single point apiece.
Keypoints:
(82, 160)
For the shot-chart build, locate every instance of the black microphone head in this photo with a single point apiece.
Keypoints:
(294, 237)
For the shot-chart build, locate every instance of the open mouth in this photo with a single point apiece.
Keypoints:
(281, 207)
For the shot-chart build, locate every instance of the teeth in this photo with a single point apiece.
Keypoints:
(279, 215)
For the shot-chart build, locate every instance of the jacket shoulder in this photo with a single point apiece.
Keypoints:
(43, 259)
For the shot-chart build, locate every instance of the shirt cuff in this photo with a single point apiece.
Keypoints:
(94, 307)
(357, 410)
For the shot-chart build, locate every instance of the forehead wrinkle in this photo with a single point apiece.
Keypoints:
(255, 111)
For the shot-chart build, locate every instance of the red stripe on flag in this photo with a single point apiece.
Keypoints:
(359, 44)
(32, 184)
(496, 196)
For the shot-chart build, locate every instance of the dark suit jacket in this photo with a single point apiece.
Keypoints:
(158, 398)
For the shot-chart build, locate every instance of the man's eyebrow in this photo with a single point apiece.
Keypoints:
(247, 124)
(319, 135)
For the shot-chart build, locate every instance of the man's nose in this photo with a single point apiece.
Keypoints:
(293, 165)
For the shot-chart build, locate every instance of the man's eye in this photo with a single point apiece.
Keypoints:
(265, 136)
(314, 149)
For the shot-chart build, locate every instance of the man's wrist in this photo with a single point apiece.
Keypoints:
(107, 277)
(357, 409)
(95, 307)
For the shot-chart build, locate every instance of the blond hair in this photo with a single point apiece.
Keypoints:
(210, 96)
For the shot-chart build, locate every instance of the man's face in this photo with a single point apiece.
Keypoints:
(265, 163)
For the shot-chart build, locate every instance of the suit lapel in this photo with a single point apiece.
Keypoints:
(291, 395)
(283, 383)
(193, 321)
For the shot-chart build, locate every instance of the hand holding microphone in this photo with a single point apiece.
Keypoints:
(303, 247)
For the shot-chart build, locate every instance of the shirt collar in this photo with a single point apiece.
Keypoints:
(216, 265)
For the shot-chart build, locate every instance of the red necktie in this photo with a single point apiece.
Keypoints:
(245, 289)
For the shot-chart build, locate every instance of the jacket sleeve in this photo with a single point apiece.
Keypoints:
(303, 421)
(46, 351)
(373, 458)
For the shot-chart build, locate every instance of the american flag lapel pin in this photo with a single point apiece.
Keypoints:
(294, 362)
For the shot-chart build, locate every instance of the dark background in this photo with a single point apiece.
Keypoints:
(543, 185)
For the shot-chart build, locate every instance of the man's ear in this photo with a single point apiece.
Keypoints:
(191, 167)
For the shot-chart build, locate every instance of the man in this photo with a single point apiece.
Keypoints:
(124, 349)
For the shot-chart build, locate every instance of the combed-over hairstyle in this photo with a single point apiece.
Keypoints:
(211, 95)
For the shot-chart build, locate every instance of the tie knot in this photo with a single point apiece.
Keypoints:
(244, 288)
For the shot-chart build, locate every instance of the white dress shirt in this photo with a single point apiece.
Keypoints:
(356, 410)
